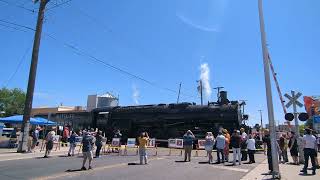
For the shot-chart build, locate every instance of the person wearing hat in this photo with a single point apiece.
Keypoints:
(187, 145)
(309, 148)
(209, 145)
(87, 143)
(49, 142)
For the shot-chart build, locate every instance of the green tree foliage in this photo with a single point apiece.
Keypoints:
(11, 101)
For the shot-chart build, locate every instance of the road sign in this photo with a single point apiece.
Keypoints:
(293, 99)
(316, 123)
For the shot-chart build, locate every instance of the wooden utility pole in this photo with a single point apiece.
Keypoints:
(179, 93)
(22, 146)
(201, 92)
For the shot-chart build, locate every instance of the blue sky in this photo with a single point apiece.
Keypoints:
(164, 42)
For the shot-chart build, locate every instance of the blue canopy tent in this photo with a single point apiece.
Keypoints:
(44, 121)
(18, 119)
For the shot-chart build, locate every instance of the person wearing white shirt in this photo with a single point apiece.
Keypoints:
(309, 144)
(251, 145)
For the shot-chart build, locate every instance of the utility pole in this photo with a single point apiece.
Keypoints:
(275, 162)
(179, 93)
(261, 125)
(22, 146)
(218, 93)
(201, 92)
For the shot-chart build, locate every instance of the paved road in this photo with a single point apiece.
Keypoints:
(111, 167)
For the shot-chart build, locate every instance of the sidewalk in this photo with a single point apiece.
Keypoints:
(288, 172)
(11, 154)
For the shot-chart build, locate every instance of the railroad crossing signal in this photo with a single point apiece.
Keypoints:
(293, 99)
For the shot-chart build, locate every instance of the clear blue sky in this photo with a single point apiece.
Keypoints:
(164, 42)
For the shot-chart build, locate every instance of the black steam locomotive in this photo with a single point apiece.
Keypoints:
(164, 121)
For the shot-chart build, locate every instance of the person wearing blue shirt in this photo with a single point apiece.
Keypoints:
(187, 145)
(72, 141)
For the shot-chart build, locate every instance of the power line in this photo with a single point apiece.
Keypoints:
(18, 6)
(17, 68)
(80, 52)
(58, 4)
(26, 27)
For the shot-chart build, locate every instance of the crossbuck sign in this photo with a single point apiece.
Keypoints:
(293, 99)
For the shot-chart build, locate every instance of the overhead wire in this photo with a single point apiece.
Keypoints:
(80, 52)
(18, 6)
(58, 4)
(108, 29)
(17, 68)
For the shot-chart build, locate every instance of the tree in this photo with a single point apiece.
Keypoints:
(11, 101)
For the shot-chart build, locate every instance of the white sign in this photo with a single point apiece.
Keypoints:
(316, 123)
(131, 142)
(201, 144)
(152, 142)
(115, 142)
(55, 138)
(179, 143)
(293, 99)
(171, 143)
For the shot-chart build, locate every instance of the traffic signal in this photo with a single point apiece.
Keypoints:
(303, 116)
(289, 116)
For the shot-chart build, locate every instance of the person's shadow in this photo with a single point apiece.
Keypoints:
(73, 170)
(181, 161)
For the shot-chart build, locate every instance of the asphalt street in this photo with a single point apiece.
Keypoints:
(161, 167)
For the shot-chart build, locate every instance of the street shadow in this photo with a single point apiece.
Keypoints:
(43, 157)
(181, 161)
(301, 174)
(230, 165)
(204, 162)
(133, 164)
(73, 170)
(266, 174)
(64, 156)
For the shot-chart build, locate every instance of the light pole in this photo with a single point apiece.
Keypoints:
(261, 125)
(274, 153)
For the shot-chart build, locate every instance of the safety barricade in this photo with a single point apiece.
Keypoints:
(174, 144)
(104, 145)
(79, 143)
(115, 146)
(152, 145)
(200, 146)
(130, 145)
(56, 142)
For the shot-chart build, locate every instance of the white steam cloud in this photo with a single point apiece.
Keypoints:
(205, 78)
(135, 94)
